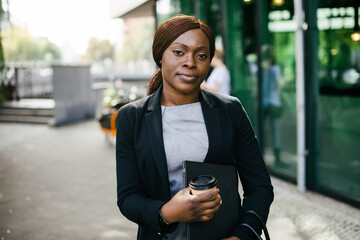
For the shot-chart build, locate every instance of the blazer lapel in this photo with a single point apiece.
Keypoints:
(153, 120)
(154, 127)
(213, 126)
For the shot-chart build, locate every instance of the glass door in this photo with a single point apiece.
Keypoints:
(278, 88)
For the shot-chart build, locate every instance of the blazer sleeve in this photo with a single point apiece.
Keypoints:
(254, 177)
(132, 201)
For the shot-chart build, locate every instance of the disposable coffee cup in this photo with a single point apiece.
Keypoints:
(202, 184)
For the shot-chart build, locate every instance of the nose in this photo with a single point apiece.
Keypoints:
(190, 61)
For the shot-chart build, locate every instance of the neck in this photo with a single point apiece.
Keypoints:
(172, 99)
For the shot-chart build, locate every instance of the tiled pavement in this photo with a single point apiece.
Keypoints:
(59, 183)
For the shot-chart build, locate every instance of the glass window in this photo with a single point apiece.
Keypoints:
(339, 54)
(339, 100)
(278, 90)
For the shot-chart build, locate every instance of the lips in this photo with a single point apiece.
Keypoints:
(187, 77)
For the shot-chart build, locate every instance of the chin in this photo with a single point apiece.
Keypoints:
(189, 91)
(188, 88)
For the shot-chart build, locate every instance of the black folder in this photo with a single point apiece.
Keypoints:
(227, 218)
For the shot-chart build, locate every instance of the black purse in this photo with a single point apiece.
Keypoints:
(266, 233)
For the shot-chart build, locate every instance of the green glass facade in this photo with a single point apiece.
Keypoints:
(259, 41)
(339, 99)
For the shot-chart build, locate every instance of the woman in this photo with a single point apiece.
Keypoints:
(179, 121)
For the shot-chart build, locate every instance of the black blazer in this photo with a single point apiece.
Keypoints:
(142, 176)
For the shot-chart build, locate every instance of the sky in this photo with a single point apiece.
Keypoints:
(70, 22)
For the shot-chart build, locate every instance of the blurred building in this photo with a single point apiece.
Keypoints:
(259, 41)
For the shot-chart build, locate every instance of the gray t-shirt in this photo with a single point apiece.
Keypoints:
(185, 138)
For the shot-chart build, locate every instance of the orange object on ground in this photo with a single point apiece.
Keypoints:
(108, 123)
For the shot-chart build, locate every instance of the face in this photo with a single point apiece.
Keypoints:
(185, 63)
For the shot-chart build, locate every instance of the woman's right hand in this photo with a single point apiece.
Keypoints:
(184, 207)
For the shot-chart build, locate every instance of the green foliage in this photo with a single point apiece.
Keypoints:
(284, 52)
(20, 46)
(99, 50)
(2, 59)
(337, 53)
(137, 45)
(335, 48)
(17, 45)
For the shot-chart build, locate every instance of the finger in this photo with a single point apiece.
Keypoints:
(217, 208)
(212, 204)
(215, 203)
(218, 199)
(208, 196)
(215, 191)
(207, 218)
(208, 212)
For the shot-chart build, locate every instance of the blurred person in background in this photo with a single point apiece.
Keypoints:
(219, 79)
(179, 121)
(272, 77)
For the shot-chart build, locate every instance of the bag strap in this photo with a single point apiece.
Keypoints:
(267, 236)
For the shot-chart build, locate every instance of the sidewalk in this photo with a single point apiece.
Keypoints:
(59, 183)
(310, 216)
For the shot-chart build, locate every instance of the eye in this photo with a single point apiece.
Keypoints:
(178, 52)
(202, 56)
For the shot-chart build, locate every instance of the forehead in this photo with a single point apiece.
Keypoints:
(193, 38)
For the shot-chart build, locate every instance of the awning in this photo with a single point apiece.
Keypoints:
(131, 9)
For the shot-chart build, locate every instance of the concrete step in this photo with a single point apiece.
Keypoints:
(30, 104)
(26, 111)
(26, 119)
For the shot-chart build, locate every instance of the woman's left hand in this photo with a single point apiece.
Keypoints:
(184, 207)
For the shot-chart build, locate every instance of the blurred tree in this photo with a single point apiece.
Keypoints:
(99, 50)
(138, 42)
(50, 51)
(20, 46)
(3, 19)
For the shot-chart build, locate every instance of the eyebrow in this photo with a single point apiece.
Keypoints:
(201, 47)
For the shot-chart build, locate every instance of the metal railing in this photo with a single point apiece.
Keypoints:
(35, 80)
(28, 79)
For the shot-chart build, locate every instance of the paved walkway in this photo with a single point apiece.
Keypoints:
(59, 183)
